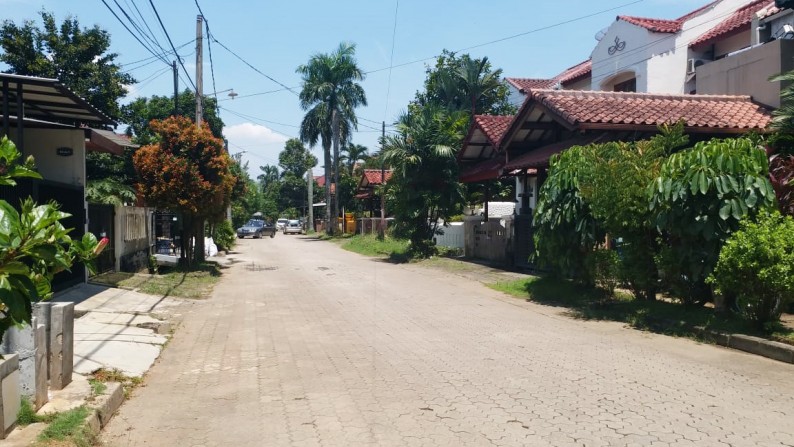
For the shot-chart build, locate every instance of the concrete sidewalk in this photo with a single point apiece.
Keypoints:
(119, 329)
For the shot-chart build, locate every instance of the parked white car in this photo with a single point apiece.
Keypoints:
(293, 227)
(281, 223)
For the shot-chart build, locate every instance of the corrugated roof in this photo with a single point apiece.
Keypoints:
(48, 100)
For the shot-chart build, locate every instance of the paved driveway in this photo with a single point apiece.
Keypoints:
(305, 344)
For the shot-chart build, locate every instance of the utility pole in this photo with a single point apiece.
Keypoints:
(382, 229)
(199, 69)
(176, 88)
(310, 201)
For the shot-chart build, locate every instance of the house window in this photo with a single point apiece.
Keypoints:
(626, 86)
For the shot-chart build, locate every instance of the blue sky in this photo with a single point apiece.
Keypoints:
(276, 37)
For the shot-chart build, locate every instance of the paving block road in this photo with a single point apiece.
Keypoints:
(305, 344)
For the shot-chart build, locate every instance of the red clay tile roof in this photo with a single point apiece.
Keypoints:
(665, 25)
(707, 111)
(493, 126)
(737, 22)
(373, 176)
(320, 179)
(527, 84)
(485, 170)
(655, 25)
(576, 72)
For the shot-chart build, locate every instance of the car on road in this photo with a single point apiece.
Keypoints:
(256, 228)
(281, 223)
(293, 227)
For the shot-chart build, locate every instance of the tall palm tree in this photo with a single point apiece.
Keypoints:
(268, 176)
(330, 95)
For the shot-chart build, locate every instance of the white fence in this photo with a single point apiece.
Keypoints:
(133, 234)
(453, 236)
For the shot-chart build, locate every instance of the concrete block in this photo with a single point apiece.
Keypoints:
(21, 341)
(107, 404)
(61, 358)
(42, 312)
(42, 369)
(744, 343)
(9, 393)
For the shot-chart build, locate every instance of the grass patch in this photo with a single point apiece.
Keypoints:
(104, 375)
(395, 250)
(97, 387)
(196, 282)
(27, 414)
(68, 428)
(657, 316)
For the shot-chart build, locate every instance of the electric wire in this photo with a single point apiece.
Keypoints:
(154, 53)
(135, 25)
(251, 66)
(154, 8)
(391, 59)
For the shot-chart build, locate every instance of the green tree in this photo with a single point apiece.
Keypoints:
(77, 57)
(140, 112)
(330, 94)
(424, 186)
(187, 171)
(295, 158)
(352, 154)
(34, 245)
(462, 83)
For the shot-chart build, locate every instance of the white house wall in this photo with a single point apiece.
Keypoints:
(43, 143)
(731, 44)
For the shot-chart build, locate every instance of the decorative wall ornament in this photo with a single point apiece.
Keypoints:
(619, 46)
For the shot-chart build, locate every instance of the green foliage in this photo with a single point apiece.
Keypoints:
(109, 191)
(424, 186)
(223, 235)
(756, 264)
(460, 83)
(617, 195)
(295, 159)
(603, 266)
(698, 200)
(34, 246)
(565, 228)
(140, 112)
(77, 57)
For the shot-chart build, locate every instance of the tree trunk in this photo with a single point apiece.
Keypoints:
(327, 160)
(310, 194)
(335, 123)
(198, 234)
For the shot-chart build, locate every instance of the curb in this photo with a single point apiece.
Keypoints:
(103, 407)
(754, 345)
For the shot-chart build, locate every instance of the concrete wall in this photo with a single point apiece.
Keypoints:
(42, 144)
(133, 238)
(747, 72)
(453, 236)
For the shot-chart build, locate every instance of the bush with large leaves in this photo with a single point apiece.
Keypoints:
(34, 245)
(698, 200)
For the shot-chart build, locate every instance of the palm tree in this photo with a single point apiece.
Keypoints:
(476, 81)
(330, 95)
(268, 176)
(353, 153)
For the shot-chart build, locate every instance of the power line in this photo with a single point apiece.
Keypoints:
(152, 58)
(391, 59)
(145, 22)
(154, 53)
(154, 8)
(251, 66)
(135, 25)
(254, 118)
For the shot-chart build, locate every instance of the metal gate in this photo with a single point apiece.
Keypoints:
(100, 223)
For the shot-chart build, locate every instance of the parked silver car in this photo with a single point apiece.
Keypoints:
(293, 227)
(281, 223)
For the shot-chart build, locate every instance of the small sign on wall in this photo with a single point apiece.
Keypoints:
(64, 151)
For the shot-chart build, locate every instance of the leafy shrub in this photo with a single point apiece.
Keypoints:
(224, 235)
(757, 265)
(698, 199)
(565, 229)
(603, 267)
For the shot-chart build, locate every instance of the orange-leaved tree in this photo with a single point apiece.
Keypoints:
(187, 170)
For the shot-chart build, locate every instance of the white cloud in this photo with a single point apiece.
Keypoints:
(250, 134)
